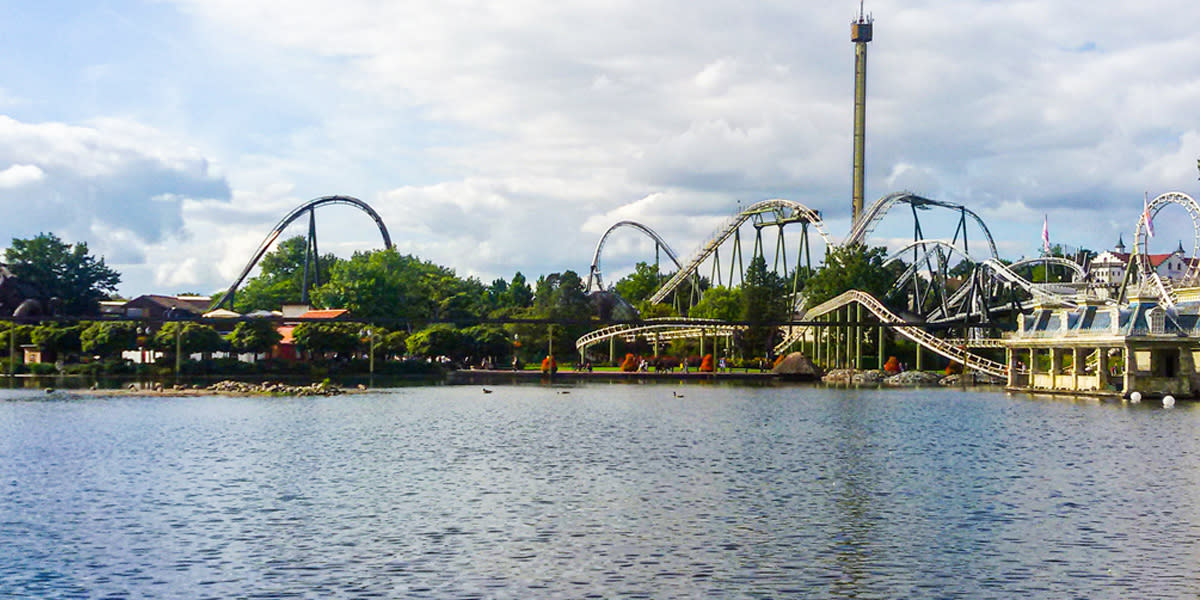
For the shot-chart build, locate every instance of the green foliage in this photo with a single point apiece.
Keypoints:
(384, 284)
(322, 338)
(21, 334)
(640, 284)
(441, 339)
(281, 277)
(519, 294)
(192, 338)
(719, 302)
(559, 297)
(57, 339)
(257, 336)
(391, 343)
(764, 300)
(62, 271)
(847, 268)
(108, 338)
(487, 340)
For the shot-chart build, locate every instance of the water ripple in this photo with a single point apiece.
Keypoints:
(621, 491)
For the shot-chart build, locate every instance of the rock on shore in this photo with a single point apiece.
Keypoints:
(913, 378)
(797, 366)
(853, 377)
(274, 388)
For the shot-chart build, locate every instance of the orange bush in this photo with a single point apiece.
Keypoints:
(892, 365)
(706, 365)
(630, 363)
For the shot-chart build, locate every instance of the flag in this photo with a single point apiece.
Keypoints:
(1046, 234)
(1146, 215)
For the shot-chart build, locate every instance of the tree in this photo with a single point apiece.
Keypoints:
(192, 338)
(322, 338)
(281, 277)
(559, 297)
(62, 271)
(257, 336)
(719, 302)
(21, 334)
(640, 284)
(108, 338)
(441, 339)
(391, 343)
(853, 267)
(519, 294)
(487, 341)
(55, 339)
(383, 284)
(764, 301)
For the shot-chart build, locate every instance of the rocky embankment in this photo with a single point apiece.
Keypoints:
(907, 378)
(231, 388)
(275, 389)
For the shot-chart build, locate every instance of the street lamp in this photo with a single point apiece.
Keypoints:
(370, 335)
(142, 332)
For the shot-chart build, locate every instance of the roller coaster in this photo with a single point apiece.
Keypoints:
(940, 282)
(311, 256)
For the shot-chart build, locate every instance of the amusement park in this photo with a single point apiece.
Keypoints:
(769, 284)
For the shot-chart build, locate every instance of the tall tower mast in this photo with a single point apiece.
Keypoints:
(860, 34)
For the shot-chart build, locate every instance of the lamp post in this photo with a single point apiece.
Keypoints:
(178, 348)
(369, 333)
(12, 348)
(142, 332)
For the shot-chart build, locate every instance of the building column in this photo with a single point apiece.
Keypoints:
(882, 349)
(837, 343)
(858, 331)
(1055, 366)
(1127, 377)
(1102, 368)
(1009, 359)
(1075, 368)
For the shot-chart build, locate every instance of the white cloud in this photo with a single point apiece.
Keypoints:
(20, 175)
(497, 137)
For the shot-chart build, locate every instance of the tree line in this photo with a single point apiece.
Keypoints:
(423, 309)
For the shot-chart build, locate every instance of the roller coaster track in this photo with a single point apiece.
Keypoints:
(873, 215)
(913, 332)
(296, 213)
(594, 273)
(1140, 268)
(785, 211)
(668, 328)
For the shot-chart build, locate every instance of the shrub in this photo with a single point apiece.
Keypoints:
(630, 363)
(892, 365)
(42, 368)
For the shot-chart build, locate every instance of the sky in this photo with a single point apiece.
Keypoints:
(495, 137)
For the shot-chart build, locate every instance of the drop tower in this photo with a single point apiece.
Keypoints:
(860, 34)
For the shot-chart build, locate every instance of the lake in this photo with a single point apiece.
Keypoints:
(598, 490)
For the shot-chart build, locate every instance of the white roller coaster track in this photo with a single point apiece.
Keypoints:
(666, 328)
(913, 332)
(1148, 277)
(799, 212)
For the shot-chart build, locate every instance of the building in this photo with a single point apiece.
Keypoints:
(1108, 350)
(286, 348)
(155, 307)
(1108, 267)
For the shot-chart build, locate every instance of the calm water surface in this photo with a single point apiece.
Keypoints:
(608, 491)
